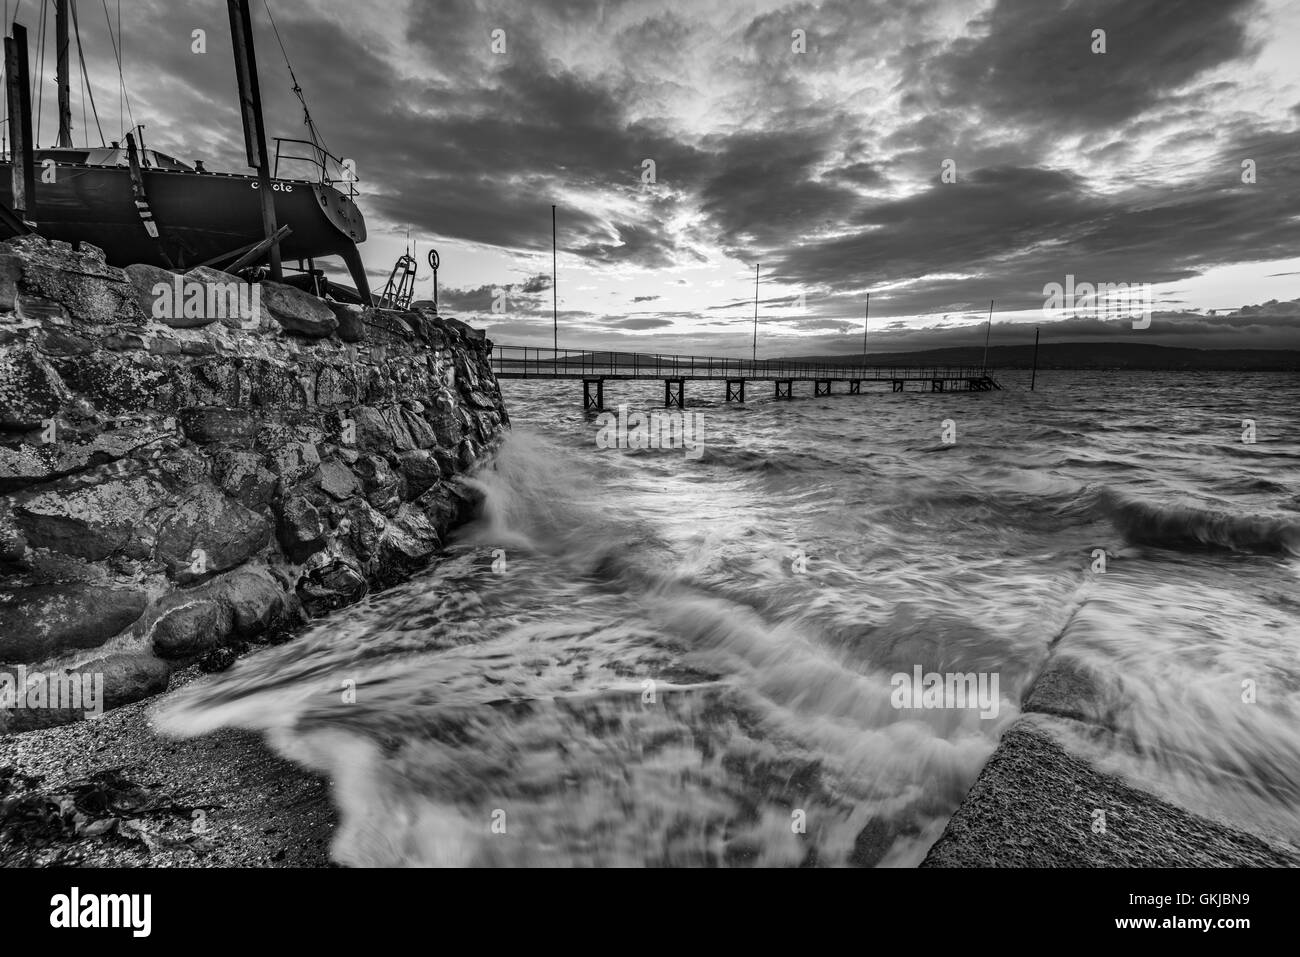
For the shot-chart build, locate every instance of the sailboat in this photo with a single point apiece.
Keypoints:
(142, 206)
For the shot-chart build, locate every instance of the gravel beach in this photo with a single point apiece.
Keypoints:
(113, 792)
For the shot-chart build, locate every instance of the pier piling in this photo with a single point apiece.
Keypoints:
(675, 393)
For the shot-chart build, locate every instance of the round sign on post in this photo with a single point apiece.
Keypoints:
(433, 264)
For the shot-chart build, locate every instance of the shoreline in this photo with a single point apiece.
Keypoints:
(114, 792)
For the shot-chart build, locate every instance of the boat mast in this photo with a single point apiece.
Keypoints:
(61, 72)
(18, 84)
(250, 106)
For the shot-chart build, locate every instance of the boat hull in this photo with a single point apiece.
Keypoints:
(199, 215)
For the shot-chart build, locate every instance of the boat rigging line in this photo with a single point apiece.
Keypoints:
(316, 139)
(122, 95)
(38, 88)
(85, 81)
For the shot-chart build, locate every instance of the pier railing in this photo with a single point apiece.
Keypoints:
(526, 362)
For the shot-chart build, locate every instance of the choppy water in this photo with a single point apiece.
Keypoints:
(687, 661)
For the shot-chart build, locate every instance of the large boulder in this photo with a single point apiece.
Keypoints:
(189, 629)
(31, 391)
(43, 621)
(298, 312)
(208, 532)
(226, 298)
(419, 428)
(243, 476)
(155, 291)
(77, 280)
(129, 676)
(302, 528)
(254, 598)
(363, 529)
(336, 480)
(421, 470)
(190, 622)
(381, 431)
(447, 427)
(381, 485)
(294, 461)
(351, 320)
(447, 504)
(408, 543)
(91, 520)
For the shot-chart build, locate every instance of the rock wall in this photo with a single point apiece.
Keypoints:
(178, 479)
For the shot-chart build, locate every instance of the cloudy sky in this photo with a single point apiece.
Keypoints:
(808, 138)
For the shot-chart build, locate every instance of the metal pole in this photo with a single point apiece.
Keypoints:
(555, 295)
(865, 316)
(1034, 375)
(434, 262)
(753, 355)
(987, 333)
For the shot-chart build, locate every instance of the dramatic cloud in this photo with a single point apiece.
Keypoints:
(1034, 62)
(936, 153)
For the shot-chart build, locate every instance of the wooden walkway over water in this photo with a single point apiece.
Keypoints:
(594, 368)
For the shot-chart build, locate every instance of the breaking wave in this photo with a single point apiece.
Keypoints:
(1181, 526)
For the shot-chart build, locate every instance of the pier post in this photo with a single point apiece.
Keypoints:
(855, 387)
(784, 388)
(593, 401)
(735, 390)
(675, 393)
(821, 387)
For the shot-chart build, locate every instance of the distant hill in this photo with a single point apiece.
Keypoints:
(1087, 355)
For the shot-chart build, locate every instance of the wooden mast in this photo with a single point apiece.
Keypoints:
(61, 72)
(20, 122)
(250, 107)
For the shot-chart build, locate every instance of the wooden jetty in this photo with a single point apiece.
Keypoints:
(594, 368)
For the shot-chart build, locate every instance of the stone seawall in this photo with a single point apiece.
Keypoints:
(176, 481)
